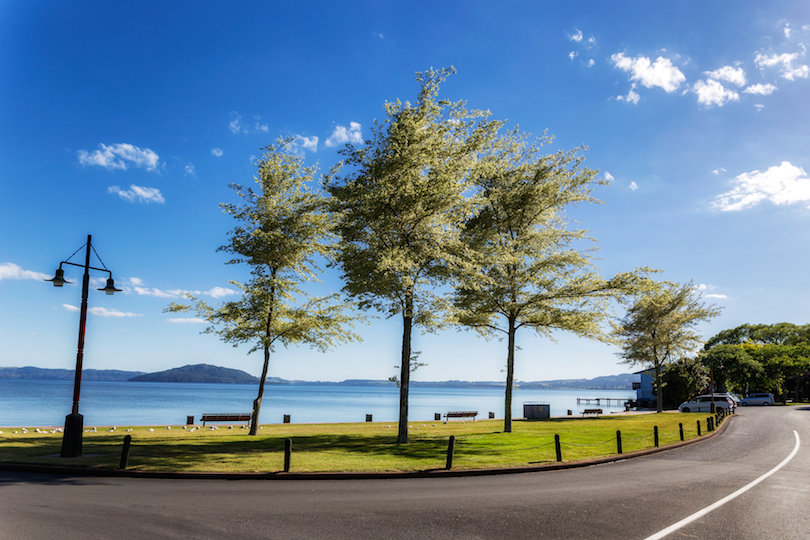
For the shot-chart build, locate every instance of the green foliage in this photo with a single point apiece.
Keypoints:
(683, 379)
(520, 266)
(660, 326)
(283, 231)
(401, 207)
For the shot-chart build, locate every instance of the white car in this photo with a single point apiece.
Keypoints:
(757, 399)
(704, 403)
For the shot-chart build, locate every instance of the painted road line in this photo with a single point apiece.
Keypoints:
(724, 500)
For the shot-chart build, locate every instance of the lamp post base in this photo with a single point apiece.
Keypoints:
(72, 438)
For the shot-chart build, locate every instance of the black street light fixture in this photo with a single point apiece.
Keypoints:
(74, 422)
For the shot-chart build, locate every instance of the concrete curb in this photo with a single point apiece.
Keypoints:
(430, 473)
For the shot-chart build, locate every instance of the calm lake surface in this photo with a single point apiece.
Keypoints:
(46, 403)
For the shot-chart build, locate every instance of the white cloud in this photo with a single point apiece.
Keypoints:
(788, 31)
(728, 74)
(158, 293)
(13, 271)
(190, 170)
(591, 62)
(609, 177)
(138, 194)
(262, 128)
(576, 37)
(302, 143)
(711, 92)
(718, 171)
(785, 63)
(136, 281)
(759, 107)
(631, 97)
(220, 292)
(120, 156)
(184, 320)
(216, 152)
(715, 295)
(572, 55)
(782, 184)
(760, 89)
(236, 125)
(103, 312)
(591, 41)
(633, 186)
(341, 135)
(660, 73)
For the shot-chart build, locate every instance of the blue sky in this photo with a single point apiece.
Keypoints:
(128, 121)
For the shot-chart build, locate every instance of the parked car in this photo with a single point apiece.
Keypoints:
(757, 399)
(704, 403)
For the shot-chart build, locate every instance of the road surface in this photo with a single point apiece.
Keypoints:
(631, 499)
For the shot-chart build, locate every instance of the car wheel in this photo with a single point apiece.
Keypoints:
(744, 404)
(686, 409)
(765, 404)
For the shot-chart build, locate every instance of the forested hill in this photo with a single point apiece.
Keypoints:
(43, 374)
(199, 373)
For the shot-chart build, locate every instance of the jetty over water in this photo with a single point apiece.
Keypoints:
(608, 401)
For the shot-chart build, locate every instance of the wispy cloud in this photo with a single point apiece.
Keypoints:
(760, 89)
(120, 156)
(236, 125)
(216, 292)
(300, 144)
(13, 271)
(217, 152)
(631, 97)
(103, 312)
(138, 194)
(576, 36)
(786, 64)
(633, 186)
(186, 320)
(190, 170)
(342, 135)
(661, 73)
(781, 185)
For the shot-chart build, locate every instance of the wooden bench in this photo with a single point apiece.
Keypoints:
(597, 412)
(460, 414)
(226, 417)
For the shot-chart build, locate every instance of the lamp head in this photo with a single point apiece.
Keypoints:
(110, 288)
(59, 279)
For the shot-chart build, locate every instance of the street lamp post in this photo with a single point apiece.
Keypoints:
(74, 422)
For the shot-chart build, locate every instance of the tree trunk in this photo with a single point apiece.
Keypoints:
(660, 392)
(510, 378)
(405, 377)
(257, 403)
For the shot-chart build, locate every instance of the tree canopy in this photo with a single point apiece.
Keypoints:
(660, 327)
(283, 233)
(401, 206)
(521, 266)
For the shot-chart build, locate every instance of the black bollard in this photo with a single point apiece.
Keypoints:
(451, 446)
(698, 426)
(655, 430)
(125, 452)
(619, 442)
(287, 454)
(680, 428)
(558, 448)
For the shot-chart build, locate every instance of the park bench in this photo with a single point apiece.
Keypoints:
(226, 417)
(597, 412)
(460, 414)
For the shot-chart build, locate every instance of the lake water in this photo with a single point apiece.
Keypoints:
(45, 403)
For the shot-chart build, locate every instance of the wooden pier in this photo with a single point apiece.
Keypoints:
(618, 402)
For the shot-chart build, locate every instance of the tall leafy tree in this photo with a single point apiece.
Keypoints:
(660, 327)
(284, 232)
(522, 267)
(401, 207)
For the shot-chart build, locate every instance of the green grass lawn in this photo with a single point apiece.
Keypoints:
(353, 447)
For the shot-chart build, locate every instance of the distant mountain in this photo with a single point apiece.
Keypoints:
(42, 374)
(199, 373)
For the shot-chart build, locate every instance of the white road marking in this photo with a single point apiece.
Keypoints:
(724, 500)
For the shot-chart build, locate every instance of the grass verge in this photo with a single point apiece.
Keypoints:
(360, 447)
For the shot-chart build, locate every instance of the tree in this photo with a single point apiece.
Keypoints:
(733, 368)
(282, 235)
(683, 379)
(401, 210)
(520, 268)
(660, 327)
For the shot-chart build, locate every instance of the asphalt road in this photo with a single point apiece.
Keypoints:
(631, 499)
